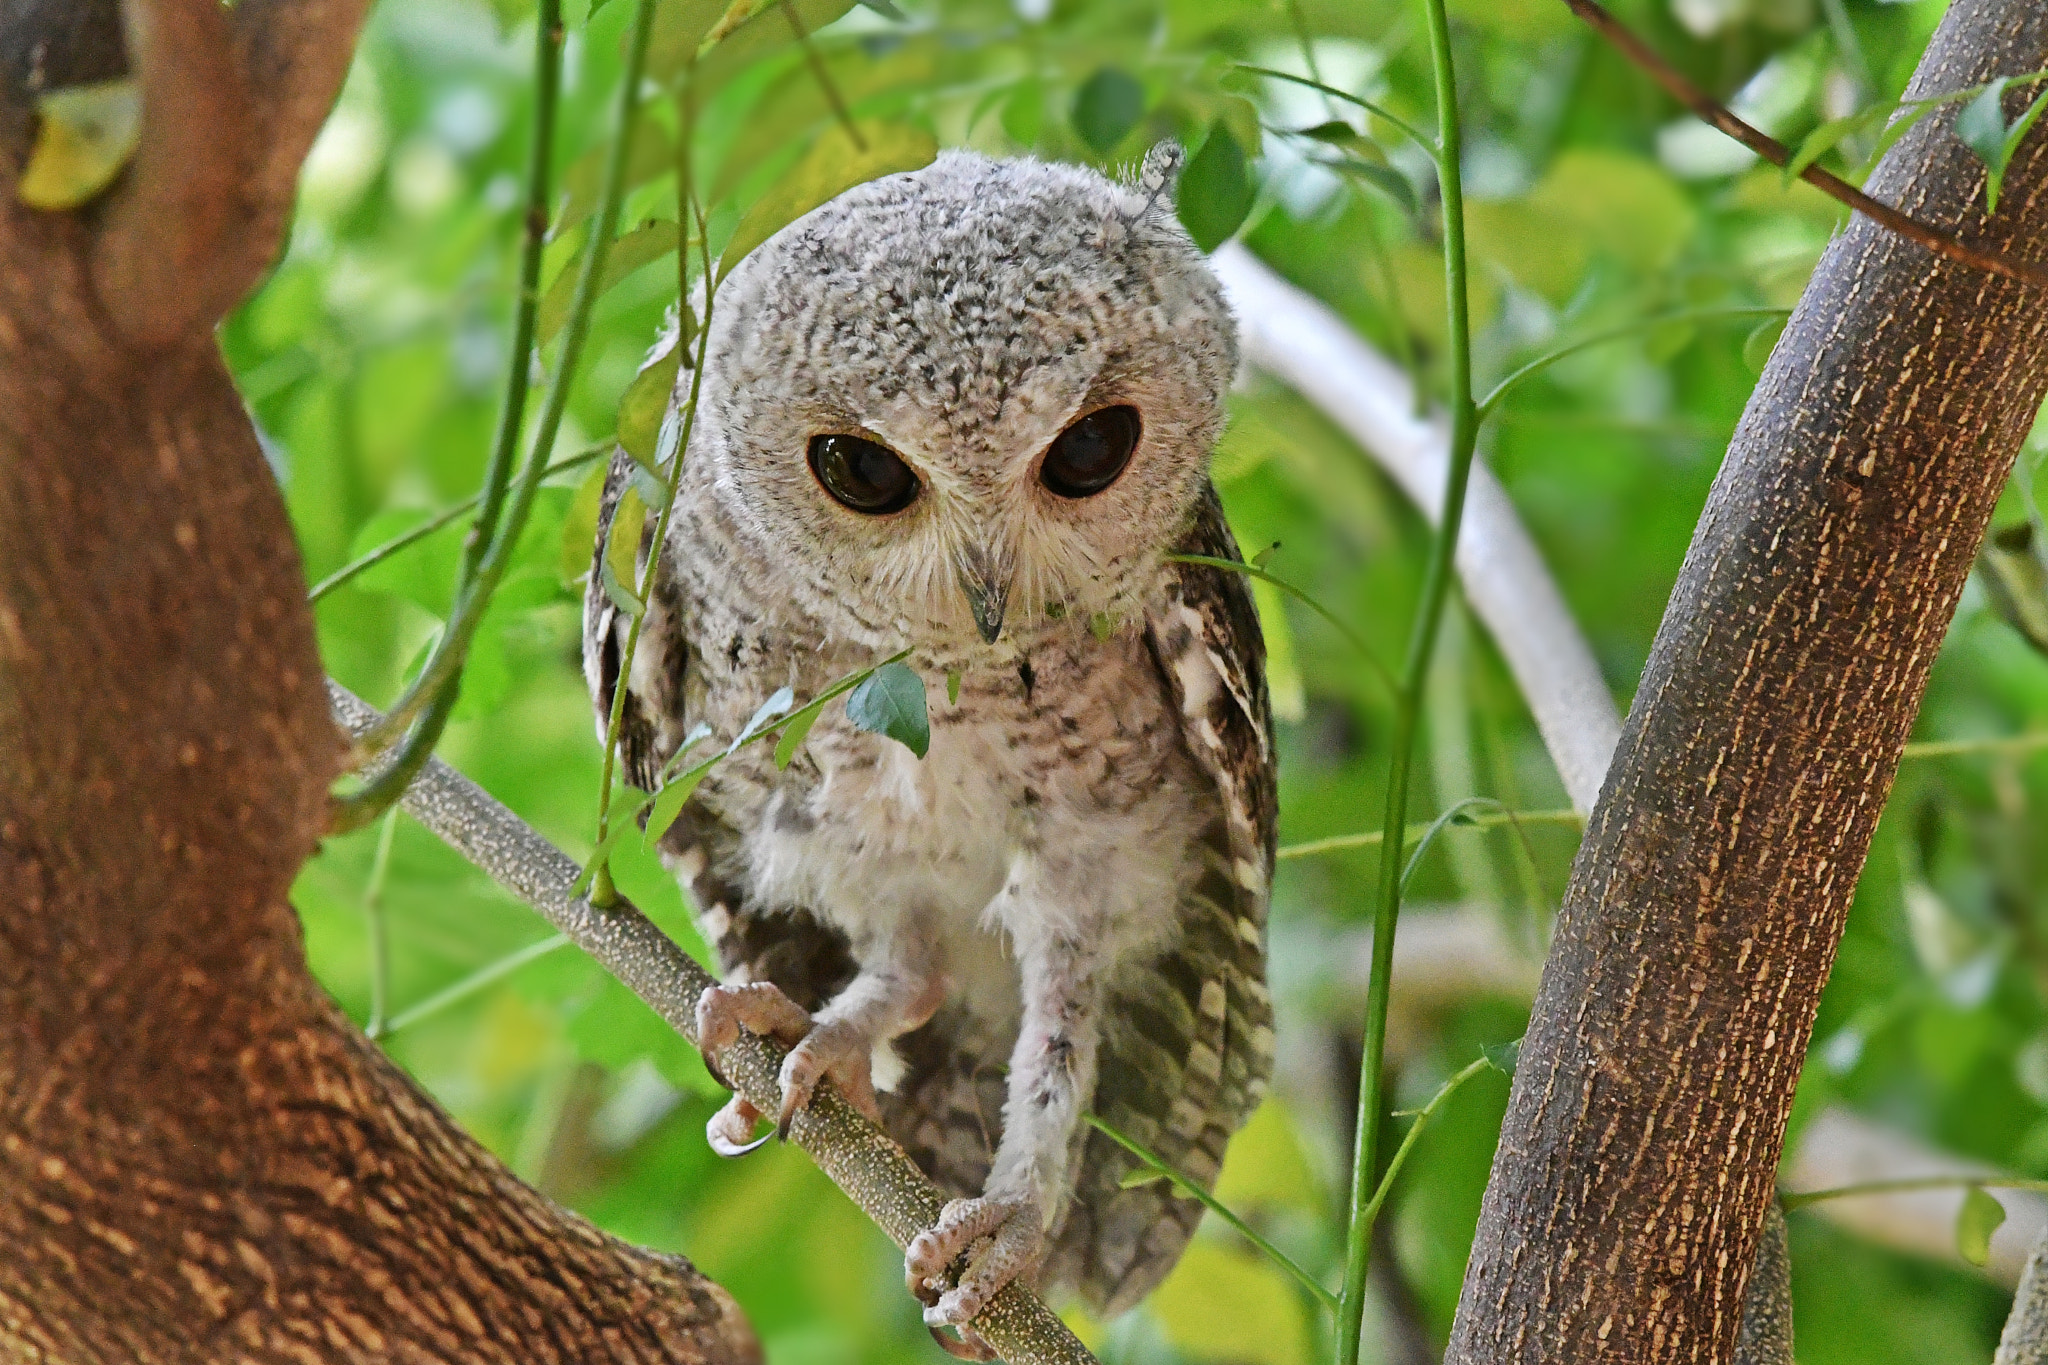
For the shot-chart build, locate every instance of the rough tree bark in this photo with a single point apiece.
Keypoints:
(1650, 1102)
(200, 1159)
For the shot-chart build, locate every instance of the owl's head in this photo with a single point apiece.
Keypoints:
(969, 400)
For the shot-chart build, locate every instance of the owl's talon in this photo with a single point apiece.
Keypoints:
(1001, 1238)
(969, 1345)
(730, 1132)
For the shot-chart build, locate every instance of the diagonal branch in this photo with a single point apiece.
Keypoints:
(1775, 152)
(859, 1157)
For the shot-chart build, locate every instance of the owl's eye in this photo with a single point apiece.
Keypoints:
(863, 475)
(1087, 457)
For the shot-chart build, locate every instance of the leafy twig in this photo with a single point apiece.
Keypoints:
(1571, 348)
(1414, 134)
(1482, 820)
(1775, 152)
(1907, 1184)
(469, 985)
(1414, 1133)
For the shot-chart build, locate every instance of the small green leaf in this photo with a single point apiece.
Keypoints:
(645, 401)
(579, 528)
(623, 824)
(833, 165)
(1336, 132)
(1385, 179)
(2015, 578)
(1902, 125)
(1502, 1057)
(1826, 138)
(623, 597)
(1102, 625)
(1215, 190)
(1265, 556)
(1055, 611)
(1141, 1177)
(1756, 351)
(674, 794)
(887, 9)
(1023, 116)
(1979, 1217)
(644, 245)
(952, 687)
(778, 704)
(1106, 107)
(795, 731)
(1981, 125)
(1996, 179)
(891, 702)
(85, 134)
(622, 548)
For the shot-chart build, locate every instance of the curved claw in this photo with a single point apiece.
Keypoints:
(969, 1345)
(728, 1131)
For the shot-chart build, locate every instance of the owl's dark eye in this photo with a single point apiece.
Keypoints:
(1087, 457)
(863, 475)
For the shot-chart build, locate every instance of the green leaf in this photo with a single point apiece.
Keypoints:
(1215, 190)
(679, 30)
(778, 704)
(2015, 578)
(644, 245)
(1902, 125)
(1102, 625)
(1336, 132)
(833, 165)
(1502, 1057)
(891, 702)
(1385, 179)
(795, 731)
(622, 824)
(644, 402)
(952, 687)
(621, 564)
(85, 134)
(1981, 125)
(887, 9)
(1979, 1217)
(1996, 179)
(579, 528)
(1827, 137)
(674, 794)
(1106, 107)
(1023, 116)
(652, 155)
(1756, 351)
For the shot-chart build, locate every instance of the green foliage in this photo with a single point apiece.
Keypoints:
(890, 701)
(374, 359)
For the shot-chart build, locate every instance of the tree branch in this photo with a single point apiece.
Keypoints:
(1770, 149)
(859, 1157)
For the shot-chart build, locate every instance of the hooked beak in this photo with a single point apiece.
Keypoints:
(986, 580)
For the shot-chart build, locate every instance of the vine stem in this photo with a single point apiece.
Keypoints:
(547, 83)
(440, 680)
(1408, 708)
(602, 891)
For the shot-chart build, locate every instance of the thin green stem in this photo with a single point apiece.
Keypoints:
(1422, 1118)
(602, 891)
(380, 941)
(1414, 134)
(1989, 744)
(1374, 838)
(823, 76)
(1549, 358)
(1216, 1206)
(475, 981)
(1351, 637)
(547, 82)
(1908, 1184)
(441, 677)
(371, 559)
(1428, 622)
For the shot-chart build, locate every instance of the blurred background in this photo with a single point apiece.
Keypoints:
(373, 361)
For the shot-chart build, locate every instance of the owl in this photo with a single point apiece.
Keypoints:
(967, 412)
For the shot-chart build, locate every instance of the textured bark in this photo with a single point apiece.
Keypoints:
(200, 1159)
(1650, 1101)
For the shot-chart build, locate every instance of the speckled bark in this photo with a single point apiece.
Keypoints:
(1650, 1102)
(200, 1159)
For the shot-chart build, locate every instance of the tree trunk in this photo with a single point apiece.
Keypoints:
(200, 1159)
(1650, 1102)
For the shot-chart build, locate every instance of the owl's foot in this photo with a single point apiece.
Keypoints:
(1000, 1239)
(816, 1051)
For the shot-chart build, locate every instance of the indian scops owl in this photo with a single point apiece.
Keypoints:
(968, 411)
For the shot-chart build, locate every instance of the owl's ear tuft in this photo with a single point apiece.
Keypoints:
(1159, 174)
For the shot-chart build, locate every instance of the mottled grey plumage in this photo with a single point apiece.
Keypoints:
(1062, 907)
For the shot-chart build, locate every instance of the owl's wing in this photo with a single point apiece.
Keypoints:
(809, 960)
(1188, 1043)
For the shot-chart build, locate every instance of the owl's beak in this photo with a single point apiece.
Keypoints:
(985, 578)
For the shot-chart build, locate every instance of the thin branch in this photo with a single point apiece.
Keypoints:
(873, 1171)
(372, 558)
(1905, 1184)
(455, 993)
(1775, 152)
(1414, 1133)
(1414, 134)
(1373, 838)
(2023, 743)
(824, 77)
(1627, 329)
